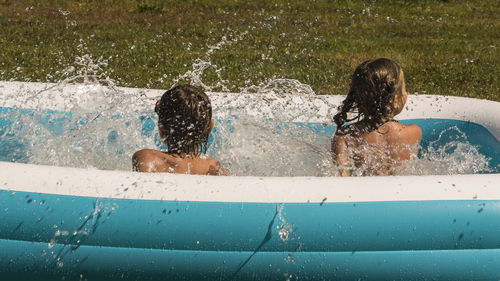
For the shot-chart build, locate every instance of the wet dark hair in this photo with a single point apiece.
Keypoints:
(375, 84)
(185, 114)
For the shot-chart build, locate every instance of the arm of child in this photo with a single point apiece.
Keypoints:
(340, 156)
(216, 169)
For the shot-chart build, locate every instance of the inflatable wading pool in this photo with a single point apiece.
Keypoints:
(70, 223)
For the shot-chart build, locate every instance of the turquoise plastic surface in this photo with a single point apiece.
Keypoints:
(50, 235)
(110, 264)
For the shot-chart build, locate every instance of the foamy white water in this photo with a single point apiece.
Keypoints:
(100, 127)
(246, 144)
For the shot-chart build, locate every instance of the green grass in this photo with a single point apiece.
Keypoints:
(445, 47)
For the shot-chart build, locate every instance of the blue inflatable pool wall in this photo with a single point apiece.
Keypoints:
(59, 237)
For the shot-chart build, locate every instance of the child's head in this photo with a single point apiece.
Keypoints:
(184, 119)
(376, 95)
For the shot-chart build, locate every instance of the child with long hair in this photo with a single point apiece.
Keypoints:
(184, 124)
(375, 143)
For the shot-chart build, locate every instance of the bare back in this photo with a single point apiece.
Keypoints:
(377, 152)
(154, 161)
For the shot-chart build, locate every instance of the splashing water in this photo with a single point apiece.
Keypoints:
(94, 124)
(281, 87)
(268, 148)
(246, 141)
(201, 65)
(285, 228)
(90, 122)
(454, 157)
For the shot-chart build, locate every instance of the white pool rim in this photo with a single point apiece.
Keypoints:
(133, 185)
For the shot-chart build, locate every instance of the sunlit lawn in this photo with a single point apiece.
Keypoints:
(445, 47)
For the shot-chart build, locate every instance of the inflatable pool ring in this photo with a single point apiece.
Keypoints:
(62, 223)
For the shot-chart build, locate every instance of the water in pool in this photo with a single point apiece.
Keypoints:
(117, 125)
(107, 136)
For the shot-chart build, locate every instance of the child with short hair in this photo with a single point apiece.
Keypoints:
(184, 124)
(375, 144)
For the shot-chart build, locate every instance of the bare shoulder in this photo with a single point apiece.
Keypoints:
(415, 130)
(215, 168)
(142, 155)
(410, 133)
(145, 154)
(150, 160)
